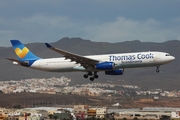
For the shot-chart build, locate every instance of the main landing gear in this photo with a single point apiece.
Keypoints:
(93, 76)
(157, 70)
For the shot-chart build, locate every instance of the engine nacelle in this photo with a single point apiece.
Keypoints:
(105, 66)
(114, 72)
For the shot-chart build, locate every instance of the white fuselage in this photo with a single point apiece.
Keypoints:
(124, 60)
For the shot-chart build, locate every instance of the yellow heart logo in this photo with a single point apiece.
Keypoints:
(21, 53)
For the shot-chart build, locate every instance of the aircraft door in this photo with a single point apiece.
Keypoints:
(157, 57)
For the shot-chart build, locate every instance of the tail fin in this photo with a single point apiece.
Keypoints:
(23, 53)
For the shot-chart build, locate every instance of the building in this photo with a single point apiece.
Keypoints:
(91, 113)
(155, 113)
(175, 115)
(80, 111)
(101, 112)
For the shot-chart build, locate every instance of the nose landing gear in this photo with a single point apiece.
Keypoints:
(157, 70)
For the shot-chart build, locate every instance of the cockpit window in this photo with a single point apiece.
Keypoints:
(167, 54)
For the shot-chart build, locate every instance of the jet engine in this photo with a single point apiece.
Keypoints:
(115, 72)
(105, 66)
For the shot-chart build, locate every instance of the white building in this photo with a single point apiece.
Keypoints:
(101, 112)
(175, 114)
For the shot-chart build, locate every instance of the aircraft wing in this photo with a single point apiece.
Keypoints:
(84, 61)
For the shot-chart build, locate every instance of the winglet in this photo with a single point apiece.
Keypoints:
(48, 45)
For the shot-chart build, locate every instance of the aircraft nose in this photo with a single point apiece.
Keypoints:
(172, 58)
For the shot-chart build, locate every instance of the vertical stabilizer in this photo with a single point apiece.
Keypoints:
(23, 53)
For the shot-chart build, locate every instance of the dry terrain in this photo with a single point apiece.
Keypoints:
(33, 100)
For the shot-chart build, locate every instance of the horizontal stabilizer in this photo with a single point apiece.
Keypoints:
(15, 61)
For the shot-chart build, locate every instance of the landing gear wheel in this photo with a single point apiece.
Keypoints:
(85, 76)
(92, 78)
(89, 73)
(157, 70)
(92, 74)
(96, 76)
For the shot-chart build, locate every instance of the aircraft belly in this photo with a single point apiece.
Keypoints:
(134, 65)
(54, 66)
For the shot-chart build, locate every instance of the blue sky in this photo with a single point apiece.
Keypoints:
(95, 20)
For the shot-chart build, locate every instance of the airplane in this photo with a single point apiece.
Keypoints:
(111, 64)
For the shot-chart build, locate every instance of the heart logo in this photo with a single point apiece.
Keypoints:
(21, 53)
